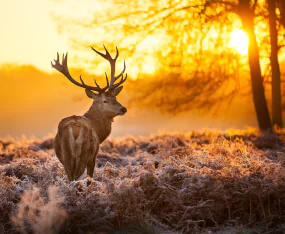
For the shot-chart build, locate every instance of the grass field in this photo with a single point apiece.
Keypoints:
(200, 182)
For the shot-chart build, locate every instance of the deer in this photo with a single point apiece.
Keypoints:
(78, 138)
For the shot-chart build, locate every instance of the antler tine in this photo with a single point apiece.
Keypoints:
(98, 86)
(117, 53)
(120, 82)
(63, 68)
(108, 57)
(81, 80)
(118, 76)
(105, 56)
(64, 60)
(57, 56)
(107, 80)
(105, 88)
(112, 62)
(107, 85)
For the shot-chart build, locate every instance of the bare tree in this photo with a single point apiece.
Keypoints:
(215, 10)
(275, 69)
(245, 10)
(191, 70)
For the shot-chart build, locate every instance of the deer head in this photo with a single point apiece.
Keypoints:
(103, 98)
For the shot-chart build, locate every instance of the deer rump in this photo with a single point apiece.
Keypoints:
(76, 145)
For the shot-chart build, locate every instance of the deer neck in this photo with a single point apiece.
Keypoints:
(100, 123)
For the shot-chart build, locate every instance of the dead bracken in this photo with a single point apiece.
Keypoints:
(197, 182)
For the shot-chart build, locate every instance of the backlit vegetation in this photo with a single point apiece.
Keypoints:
(170, 183)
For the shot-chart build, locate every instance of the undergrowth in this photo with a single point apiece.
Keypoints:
(200, 182)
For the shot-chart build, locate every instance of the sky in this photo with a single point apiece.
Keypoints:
(28, 33)
(33, 99)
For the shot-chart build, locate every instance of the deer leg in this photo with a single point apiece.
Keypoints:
(91, 163)
(81, 162)
(57, 148)
(66, 157)
(90, 169)
(69, 168)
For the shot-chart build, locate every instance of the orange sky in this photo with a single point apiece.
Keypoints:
(28, 34)
(32, 102)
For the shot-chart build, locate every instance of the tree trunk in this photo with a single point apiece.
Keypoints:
(247, 16)
(275, 70)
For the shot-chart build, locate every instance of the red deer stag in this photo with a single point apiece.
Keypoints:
(77, 140)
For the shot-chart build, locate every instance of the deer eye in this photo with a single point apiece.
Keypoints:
(105, 101)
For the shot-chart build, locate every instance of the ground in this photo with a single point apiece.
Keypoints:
(199, 182)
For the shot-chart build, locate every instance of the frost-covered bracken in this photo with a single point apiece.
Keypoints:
(170, 183)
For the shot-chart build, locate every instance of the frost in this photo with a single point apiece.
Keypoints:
(199, 182)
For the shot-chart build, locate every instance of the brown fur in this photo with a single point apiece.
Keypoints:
(78, 138)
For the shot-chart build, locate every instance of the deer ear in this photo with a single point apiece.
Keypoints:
(117, 90)
(89, 93)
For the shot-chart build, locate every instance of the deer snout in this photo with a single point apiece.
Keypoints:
(123, 110)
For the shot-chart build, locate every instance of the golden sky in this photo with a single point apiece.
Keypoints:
(28, 34)
(33, 101)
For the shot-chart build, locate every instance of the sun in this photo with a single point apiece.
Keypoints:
(239, 41)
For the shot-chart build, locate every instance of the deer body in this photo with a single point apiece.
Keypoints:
(76, 146)
(78, 138)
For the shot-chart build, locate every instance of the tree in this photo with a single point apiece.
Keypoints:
(275, 70)
(245, 10)
(193, 68)
(246, 13)
(191, 65)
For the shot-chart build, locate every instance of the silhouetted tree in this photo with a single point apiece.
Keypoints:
(195, 69)
(218, 10)
(275, 69)
(245, 11)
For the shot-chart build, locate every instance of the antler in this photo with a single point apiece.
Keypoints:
(63, 68)
(112, 62)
